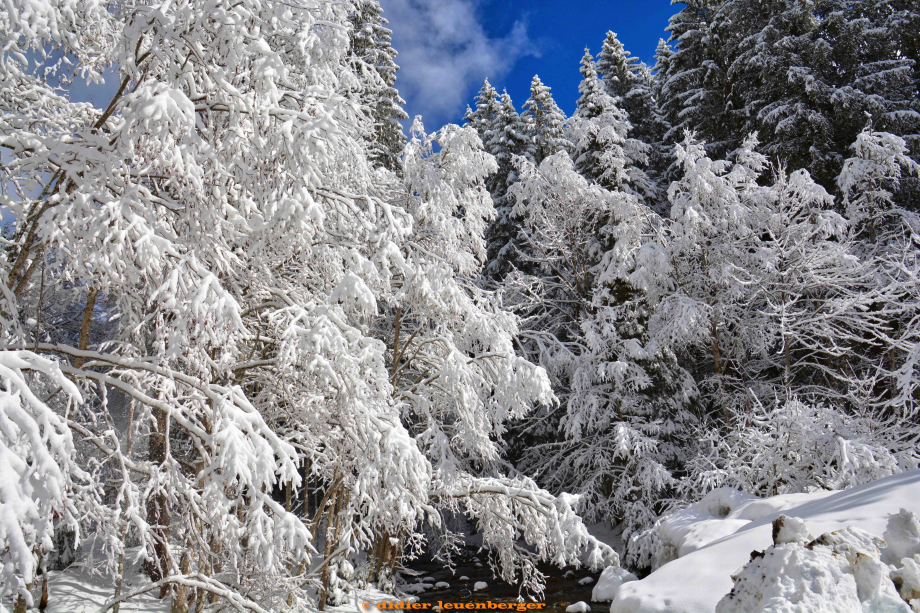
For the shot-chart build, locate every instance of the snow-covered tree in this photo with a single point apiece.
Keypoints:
(794, 447)
(238, 264)
(712, 234)
(545, 122)
(488, 107)
(626, 400)
(629, 80)
(602, 149)
(694, 87)
(509, 138)
(869, 180)
(617, 67)
(373, 59)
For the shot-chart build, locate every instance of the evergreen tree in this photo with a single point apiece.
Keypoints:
(509, 138)
(630, 81)
(664, 56)
(373, 61)
(693, 94)
(592, 100)
(599, 129)
(617, 67)
(545, 122)
(483, 117)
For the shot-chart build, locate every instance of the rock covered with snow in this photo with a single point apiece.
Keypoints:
(611, 580)
(480, 585)
(837, 572)
(789, 530)
(907, 581)
(579, 607)
(720, 513)
(586, 581)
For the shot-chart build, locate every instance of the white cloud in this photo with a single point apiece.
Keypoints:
(444, 54)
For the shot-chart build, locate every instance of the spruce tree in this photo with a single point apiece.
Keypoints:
(373, 60)
(509, 138)
(617, 67)
(482, 118)
(602, 151)
(629, 81)
(545, 122)
(694, 95)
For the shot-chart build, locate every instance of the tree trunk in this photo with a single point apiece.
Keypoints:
(43, 602)
(328, 549)
(158, 505)
(85, 327)
(180, 602)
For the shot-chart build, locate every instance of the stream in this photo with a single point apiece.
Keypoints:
(562, 585)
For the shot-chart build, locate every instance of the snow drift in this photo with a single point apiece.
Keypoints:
(715, 538)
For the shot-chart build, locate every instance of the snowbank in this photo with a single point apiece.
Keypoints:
(711, 553)
(609, 583)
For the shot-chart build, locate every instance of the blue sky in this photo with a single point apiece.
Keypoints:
(447, 47)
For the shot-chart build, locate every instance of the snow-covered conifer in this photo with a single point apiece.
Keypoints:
(602, 149)
(693, 90)
(869, 180)
(510, 137)
(373, 59)
(617, 67)
(545, 122)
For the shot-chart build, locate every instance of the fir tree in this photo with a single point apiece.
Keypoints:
(373, 60)
(602, 150)
(627, 79)
(545, 122)
(617, 67)
(693, 94)
(509, 139)
(482, 118)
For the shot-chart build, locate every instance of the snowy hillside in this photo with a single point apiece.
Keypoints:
(714, 548)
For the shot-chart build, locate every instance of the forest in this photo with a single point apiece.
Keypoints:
(261, 349)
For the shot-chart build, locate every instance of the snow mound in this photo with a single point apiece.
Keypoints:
(697, 580)
(837, 572)
(720, 513)
(463, 578)
(609, 583)
(579, 607)
(789, 530)
(442, 585)
(480, 585)
(586, 581)
(902, 536)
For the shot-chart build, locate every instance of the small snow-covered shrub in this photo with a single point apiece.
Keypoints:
(797, 447)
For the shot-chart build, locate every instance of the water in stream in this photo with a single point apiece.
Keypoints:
(563, 586)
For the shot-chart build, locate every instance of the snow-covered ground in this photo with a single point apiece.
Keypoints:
(716, 536)
(77, 591)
